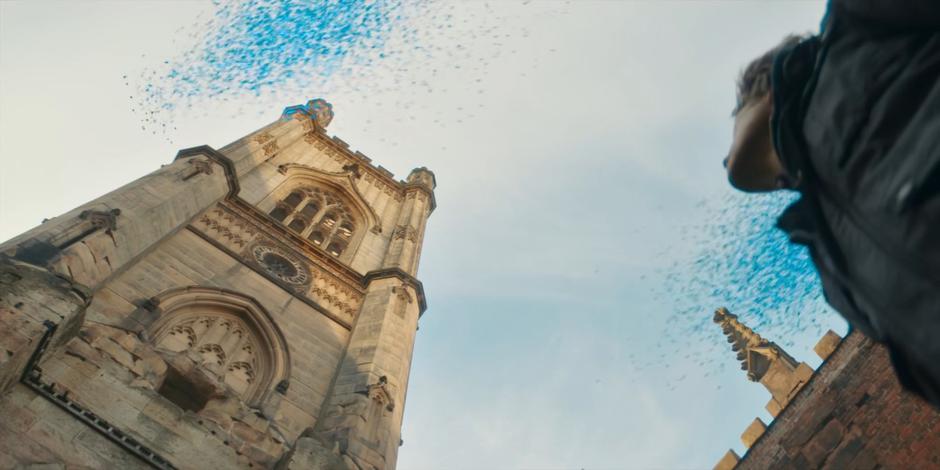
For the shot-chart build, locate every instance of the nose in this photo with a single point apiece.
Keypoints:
(724, 162)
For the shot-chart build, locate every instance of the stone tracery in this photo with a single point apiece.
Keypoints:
(319, 215)
(227, 335)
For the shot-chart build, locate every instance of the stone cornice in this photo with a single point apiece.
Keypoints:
(219, 158)
(404, 277)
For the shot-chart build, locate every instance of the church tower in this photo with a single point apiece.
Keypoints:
(249, 307)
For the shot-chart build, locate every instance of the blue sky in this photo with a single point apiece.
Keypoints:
(577, 148)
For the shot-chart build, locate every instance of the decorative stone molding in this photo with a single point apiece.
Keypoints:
(262, 138)
(401, 292)
(199, 166)
(230, 334)
(270, 149)
(216, 156)
(306, 273)
(281, 264)
(106, 220)
(404, 299)
(335, 294)
(352, 168)
(378, 392)
(268, 144)
(405, 232)
(228, 227)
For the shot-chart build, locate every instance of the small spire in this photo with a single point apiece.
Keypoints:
(764, 361)
(318, 110)
(423, 177)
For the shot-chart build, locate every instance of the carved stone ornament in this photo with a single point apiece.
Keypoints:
(281, 264)
(270, 149)
(310, 137)
(262, 138)
(102, 219)
(378, 392)
(203, 166)
(199, 166)
(405, 231)
(402, 293)
(352, 168)
(404, 299)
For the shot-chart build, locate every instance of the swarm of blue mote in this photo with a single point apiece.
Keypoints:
(252, 48)
(741, 261)
(253, 52)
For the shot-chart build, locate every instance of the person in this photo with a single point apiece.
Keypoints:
(850, 119)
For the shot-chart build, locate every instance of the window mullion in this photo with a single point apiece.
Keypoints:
(293, 213)
(326, 240)
(314, 221)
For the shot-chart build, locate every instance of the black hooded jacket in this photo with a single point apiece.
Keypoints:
(856, 122)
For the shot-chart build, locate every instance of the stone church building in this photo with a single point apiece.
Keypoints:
(249, 307)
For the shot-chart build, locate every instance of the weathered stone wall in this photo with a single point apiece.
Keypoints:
(329, 337)
(852, 414)
(113, 371)
(315, 342)
(34, 431)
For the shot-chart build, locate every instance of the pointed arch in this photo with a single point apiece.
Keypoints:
(325, 208)
(233, 336)
(344, 181)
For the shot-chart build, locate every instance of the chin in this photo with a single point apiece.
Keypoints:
(749, 183)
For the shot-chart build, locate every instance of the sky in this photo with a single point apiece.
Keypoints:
(584, 232)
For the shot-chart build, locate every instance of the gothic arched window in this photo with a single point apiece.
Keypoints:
(228, 335)
(320, 216)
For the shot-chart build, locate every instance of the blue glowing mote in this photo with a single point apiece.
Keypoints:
(742, 261)
(257, 45)
(255, 48)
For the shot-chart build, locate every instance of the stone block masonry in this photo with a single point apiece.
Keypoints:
(254, 307)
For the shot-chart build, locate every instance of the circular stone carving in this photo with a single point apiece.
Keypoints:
(280, 264)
